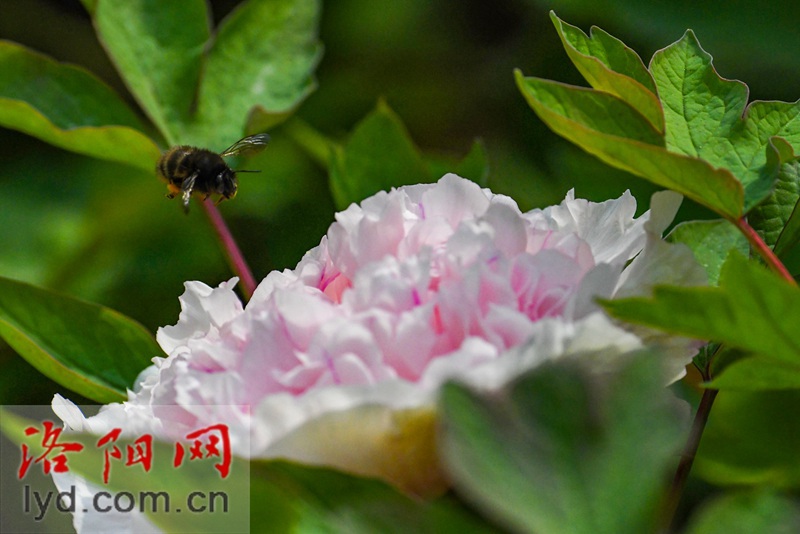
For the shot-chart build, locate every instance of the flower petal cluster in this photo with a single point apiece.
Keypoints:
(339, 360)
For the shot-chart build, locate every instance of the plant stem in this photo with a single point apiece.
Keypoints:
(687, 458)
(236, 260)
(704, 409)
(763, 250)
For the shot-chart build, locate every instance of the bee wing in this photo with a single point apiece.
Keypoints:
(186, 190)
(248, 145)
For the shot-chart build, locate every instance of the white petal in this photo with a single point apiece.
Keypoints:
(454, 199)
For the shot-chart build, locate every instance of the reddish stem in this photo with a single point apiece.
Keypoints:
(763, 250)
(236, 260)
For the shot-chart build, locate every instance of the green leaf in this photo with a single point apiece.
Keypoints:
(790, 234)
(257, 70)
(705, 357)
(261, 64)
(708, 117)
(711, 242)
(283, 497)
(559, 451)
(69, 108)
(474, 166)
(378, 156)
(324, 500)
(87, 348)
(606, 127)
(787, 248)
(13, 426)
(158, 49)
(610, 66)
(695, 96)
(89, 5)
(758, 373)
(745, 512)
(716, 149)
(595, 111)
(751, 439)
(752, 309)
(776, 218)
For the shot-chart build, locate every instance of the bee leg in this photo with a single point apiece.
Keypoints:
(186, 190)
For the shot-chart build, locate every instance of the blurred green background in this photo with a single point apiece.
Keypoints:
(105, 233)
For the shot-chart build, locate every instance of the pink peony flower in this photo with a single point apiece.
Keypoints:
(339, 361)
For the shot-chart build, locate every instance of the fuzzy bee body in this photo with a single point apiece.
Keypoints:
(188, 170)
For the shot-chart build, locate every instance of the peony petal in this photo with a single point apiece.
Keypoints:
(608, 227)
(510, 235)
(203, 311)
(372, 440)
(87, 519)
(660, 263)
(663, 208)
(454, 200)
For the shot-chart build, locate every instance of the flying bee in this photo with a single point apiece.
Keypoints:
(188, 170)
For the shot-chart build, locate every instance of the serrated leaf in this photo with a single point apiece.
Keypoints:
(261, 63)
(717, 150)
(708, 117)
(752, 309)
(68, 107)
(606, 127)
(87, 348)
(694, 95)
(745, 512)
(158, 49)
(751, 439)
(776, 219)
(378, 156)
(610, 66)
(711, 242)
(557, 451)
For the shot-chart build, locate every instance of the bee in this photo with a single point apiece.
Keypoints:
(187, 169)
